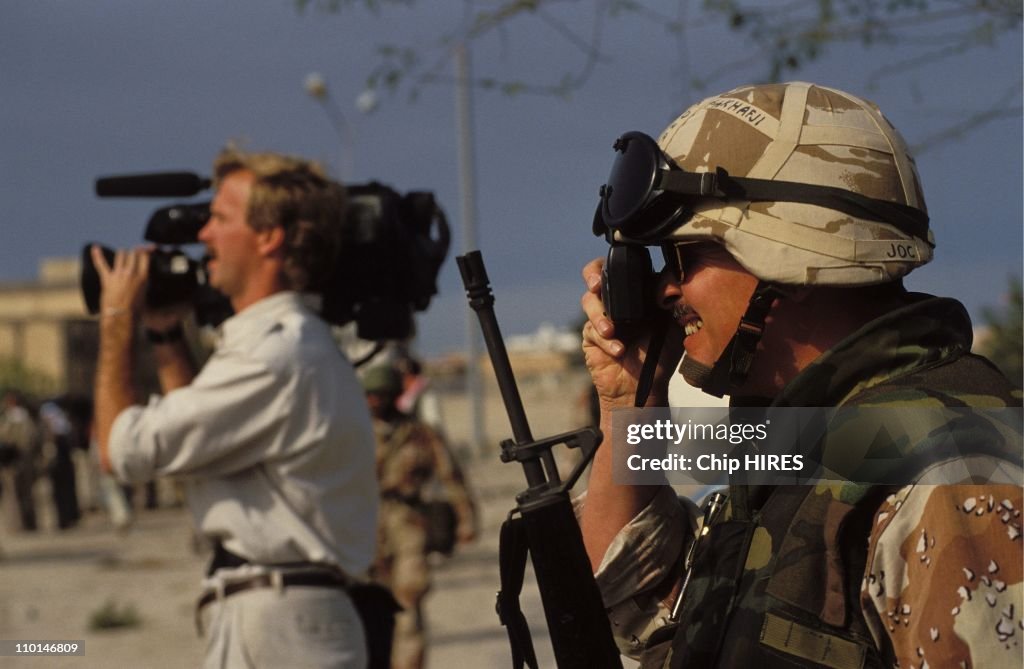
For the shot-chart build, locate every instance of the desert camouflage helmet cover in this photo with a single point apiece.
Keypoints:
(808, 134)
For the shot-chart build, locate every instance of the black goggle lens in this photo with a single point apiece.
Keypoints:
(631, 179)
(629, 201)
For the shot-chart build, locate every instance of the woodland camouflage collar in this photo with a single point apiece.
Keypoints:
(927, 331)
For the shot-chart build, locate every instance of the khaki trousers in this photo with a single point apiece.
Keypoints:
(297, 627)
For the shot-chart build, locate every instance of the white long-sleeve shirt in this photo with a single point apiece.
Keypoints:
(272, 440)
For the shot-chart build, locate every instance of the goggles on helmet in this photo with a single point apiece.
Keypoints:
(648, 195)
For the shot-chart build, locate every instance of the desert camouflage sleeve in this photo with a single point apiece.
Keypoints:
(642, 556)
(943, 583)
(451, 477)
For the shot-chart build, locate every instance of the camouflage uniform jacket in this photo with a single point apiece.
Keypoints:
(843, 575)
(411, 457)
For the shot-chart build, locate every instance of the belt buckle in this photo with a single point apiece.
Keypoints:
(212, 594)
(277, 581)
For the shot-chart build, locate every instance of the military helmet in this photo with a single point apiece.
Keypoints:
(382, 380)
(804, 134)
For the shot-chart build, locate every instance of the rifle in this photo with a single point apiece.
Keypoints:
(542, 524)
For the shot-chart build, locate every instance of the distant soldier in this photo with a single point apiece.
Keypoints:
(411, 459)
(58, 444)
(19, 451)
(418, 398)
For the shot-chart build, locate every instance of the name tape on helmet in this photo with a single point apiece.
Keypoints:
(740, 109)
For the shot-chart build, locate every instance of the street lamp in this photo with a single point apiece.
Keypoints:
(316, 87)
(366, 102)
(467, 197)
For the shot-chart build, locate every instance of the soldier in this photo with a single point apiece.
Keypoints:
(58, 445)
(784, 256)
(19, 453)
(411, 457)
(418, 398)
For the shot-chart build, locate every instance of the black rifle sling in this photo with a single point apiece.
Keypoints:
(512, 552)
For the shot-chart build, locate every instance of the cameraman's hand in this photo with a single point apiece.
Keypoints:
(614, 366)
(123, 284)
(165, 318)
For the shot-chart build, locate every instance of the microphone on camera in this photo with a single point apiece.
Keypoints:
(158, 184)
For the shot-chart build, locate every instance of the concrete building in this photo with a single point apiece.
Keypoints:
(45, 330)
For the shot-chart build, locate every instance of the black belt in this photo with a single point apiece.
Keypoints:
(311, 579)
(222, 558)
(320, 580)
(409, 500)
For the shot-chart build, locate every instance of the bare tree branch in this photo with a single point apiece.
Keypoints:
(783, 36)
(1002, 108)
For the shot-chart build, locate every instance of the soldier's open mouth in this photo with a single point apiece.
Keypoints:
(688, 319)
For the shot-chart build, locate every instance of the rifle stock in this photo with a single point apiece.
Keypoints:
(580, 633)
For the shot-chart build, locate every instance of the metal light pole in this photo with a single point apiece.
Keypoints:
(467, 192)
(316, 87)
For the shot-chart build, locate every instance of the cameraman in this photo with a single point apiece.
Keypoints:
(272, 439)
(783, 295)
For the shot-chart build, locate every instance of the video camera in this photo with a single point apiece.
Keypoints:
(392, 247)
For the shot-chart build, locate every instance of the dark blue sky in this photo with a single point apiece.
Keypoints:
(104, 87)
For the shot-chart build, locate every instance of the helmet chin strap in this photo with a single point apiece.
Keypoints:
(731, 368)
(646, 381)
